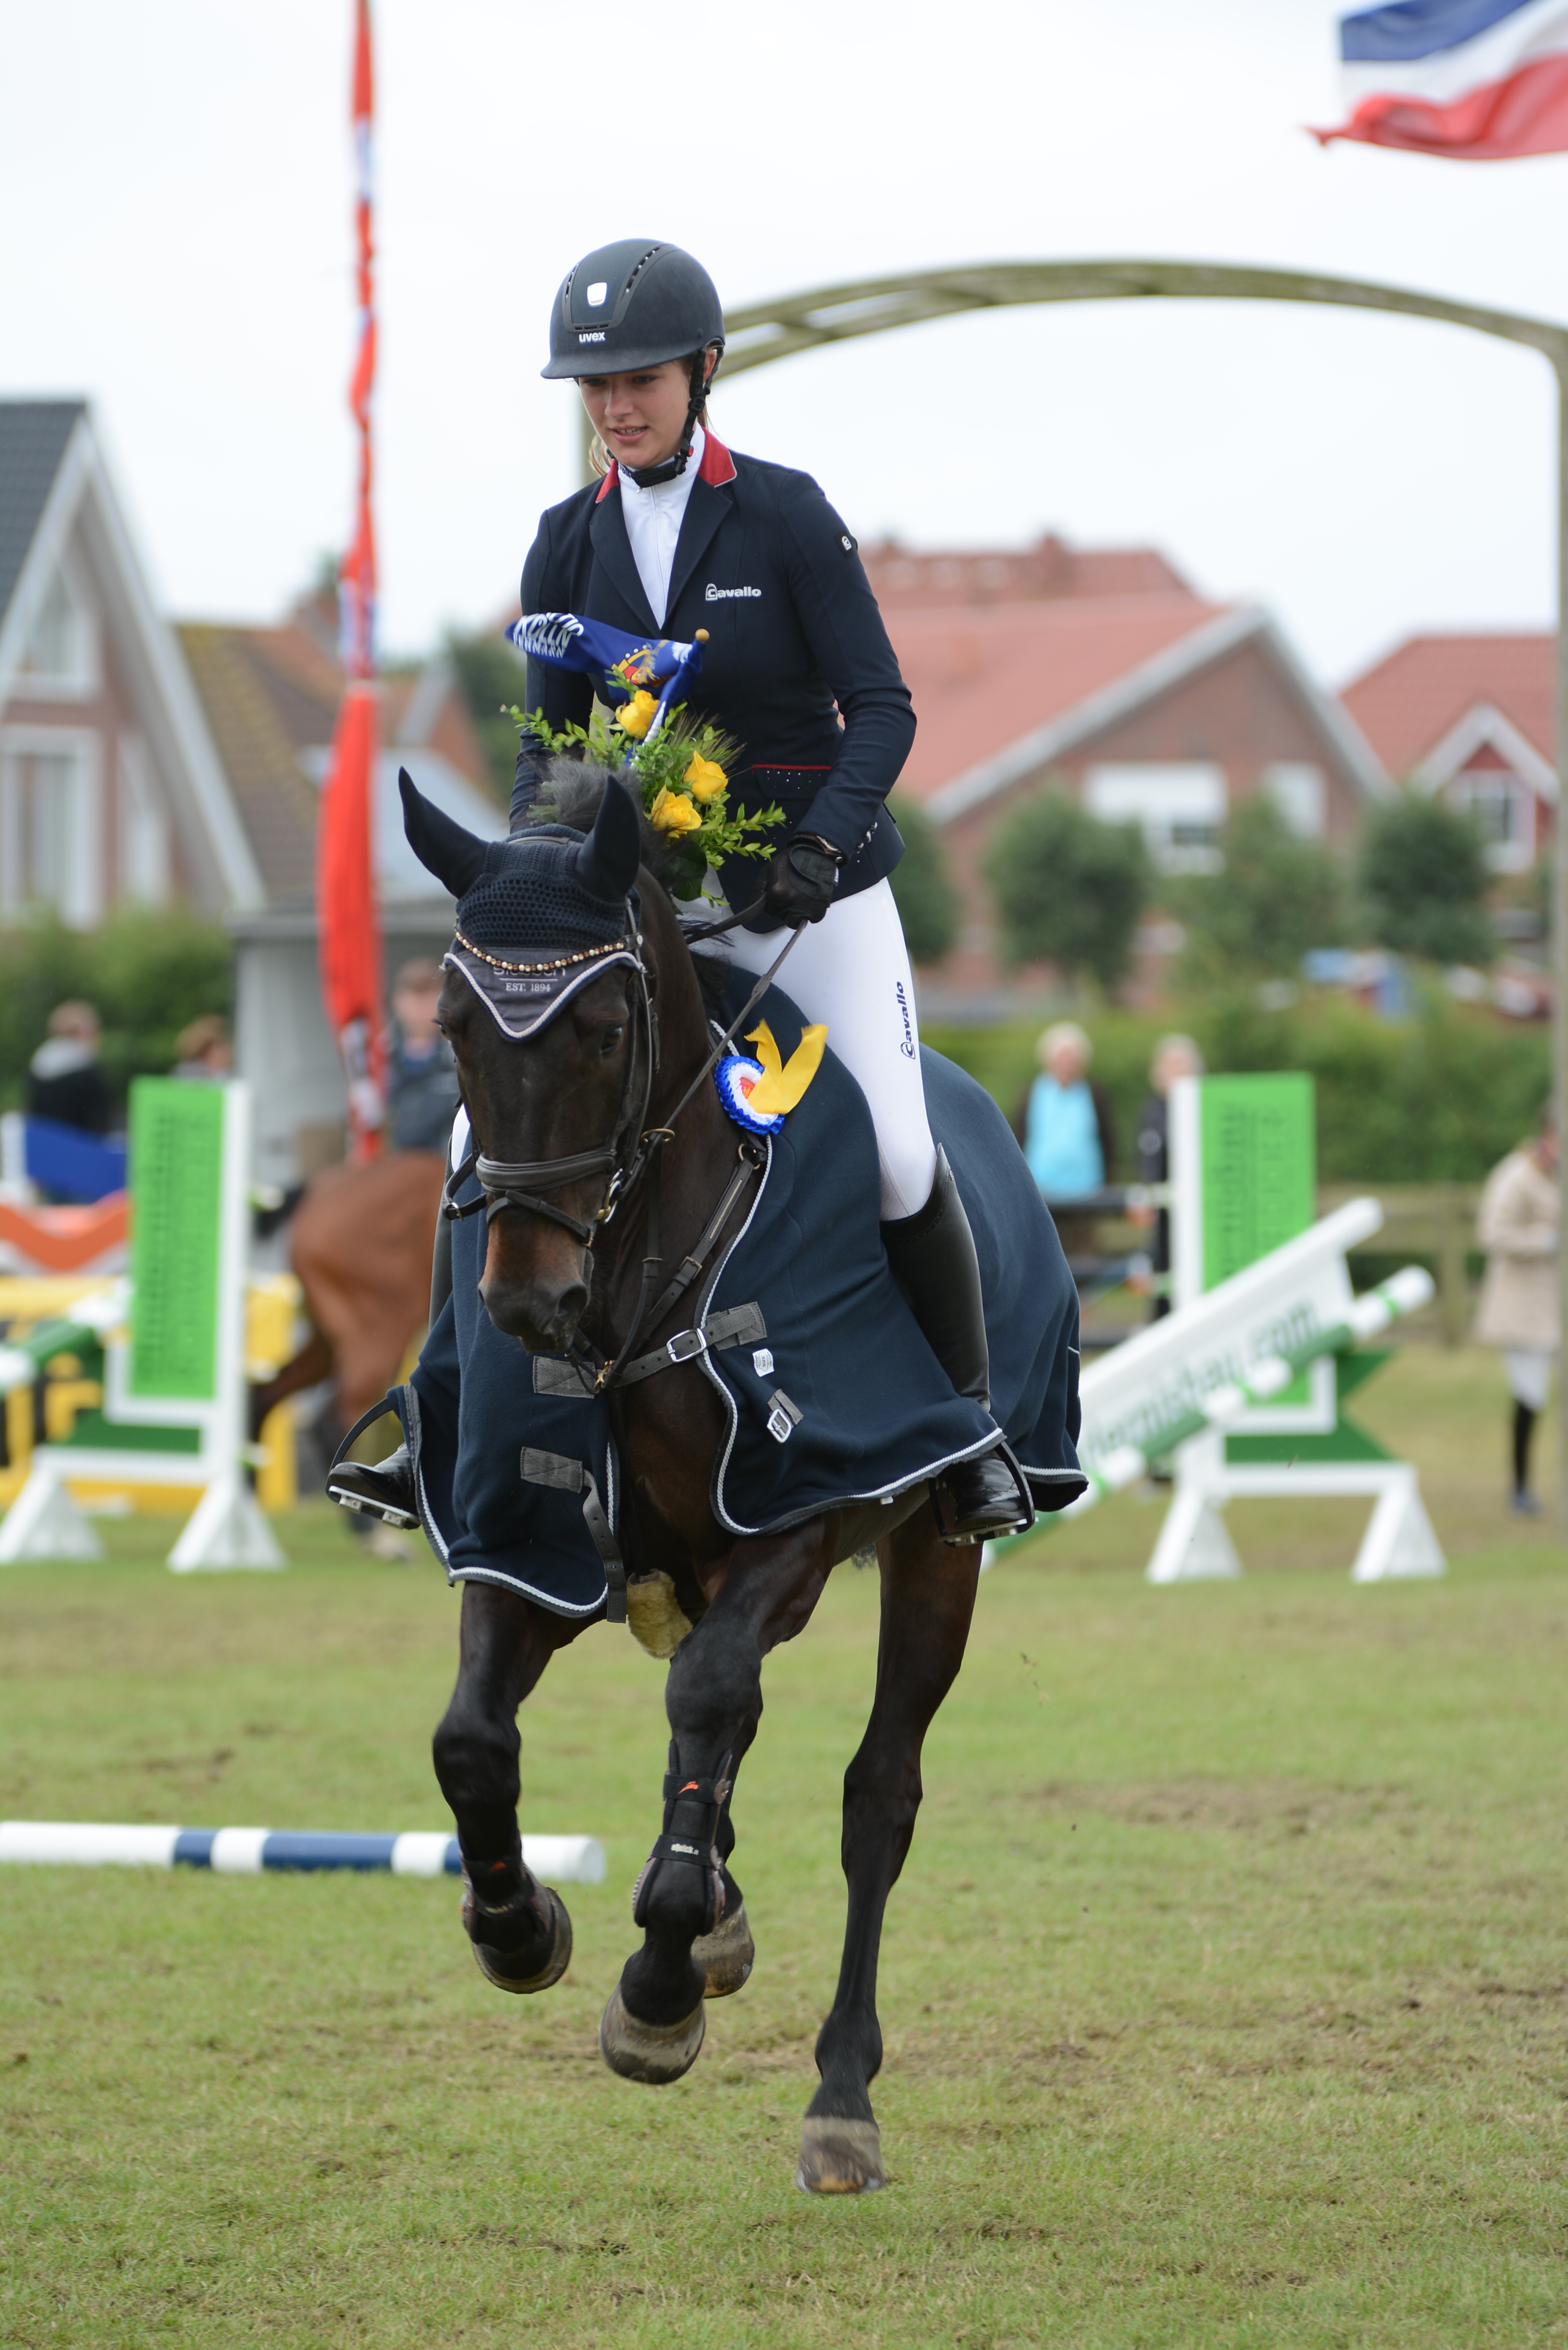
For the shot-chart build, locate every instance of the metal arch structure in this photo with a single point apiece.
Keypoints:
(837, 314)
(766, 331)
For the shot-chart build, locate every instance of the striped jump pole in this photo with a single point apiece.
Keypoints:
(247, 1852)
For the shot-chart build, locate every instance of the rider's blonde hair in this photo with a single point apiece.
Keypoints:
(600, 457)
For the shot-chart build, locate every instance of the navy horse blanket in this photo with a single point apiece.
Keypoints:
(830, 1392)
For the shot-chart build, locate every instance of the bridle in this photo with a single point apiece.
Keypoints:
(523, 1184)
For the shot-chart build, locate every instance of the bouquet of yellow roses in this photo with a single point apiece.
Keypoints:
(682, 774)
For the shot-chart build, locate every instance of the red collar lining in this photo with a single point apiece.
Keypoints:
(717, 467)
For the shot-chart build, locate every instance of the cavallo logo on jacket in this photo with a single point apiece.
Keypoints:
(716, 595)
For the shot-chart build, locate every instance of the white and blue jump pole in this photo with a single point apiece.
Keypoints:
(247, 1852)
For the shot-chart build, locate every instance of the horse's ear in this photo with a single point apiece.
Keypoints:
(609, 859)
(444, 848)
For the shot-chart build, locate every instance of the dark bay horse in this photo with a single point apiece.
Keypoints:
(554, 1274)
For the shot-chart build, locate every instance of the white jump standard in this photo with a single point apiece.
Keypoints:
(174, 1372)
(1218, 1365)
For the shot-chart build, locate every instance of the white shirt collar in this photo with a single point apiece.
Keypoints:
(653, 519)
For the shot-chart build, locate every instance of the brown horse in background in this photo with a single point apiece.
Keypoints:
(360, 1245)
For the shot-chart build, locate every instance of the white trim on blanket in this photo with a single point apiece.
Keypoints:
(922, 1476)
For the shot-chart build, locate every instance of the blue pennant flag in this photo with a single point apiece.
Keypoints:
(619, 665)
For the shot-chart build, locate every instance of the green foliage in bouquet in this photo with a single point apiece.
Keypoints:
(682, 774)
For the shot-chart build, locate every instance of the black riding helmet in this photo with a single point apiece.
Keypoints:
(636, 303)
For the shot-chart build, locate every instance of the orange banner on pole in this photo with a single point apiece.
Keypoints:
(347, 921)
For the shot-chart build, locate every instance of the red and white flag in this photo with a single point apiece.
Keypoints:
(347, 922)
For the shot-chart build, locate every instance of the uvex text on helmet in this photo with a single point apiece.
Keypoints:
(633, 304)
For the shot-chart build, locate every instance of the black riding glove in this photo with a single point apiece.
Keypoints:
(804, 882)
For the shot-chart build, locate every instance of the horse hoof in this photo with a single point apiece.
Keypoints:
(839, 2158)
(492, 1964)
(655, 2053)
(727, 1955)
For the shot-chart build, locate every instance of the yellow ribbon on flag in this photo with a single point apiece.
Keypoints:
(783, 1083)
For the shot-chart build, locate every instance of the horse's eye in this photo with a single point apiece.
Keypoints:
(612, 1037)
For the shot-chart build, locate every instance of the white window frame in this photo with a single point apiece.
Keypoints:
(80, 902)
(1168, 798)
(1499, 783)
(143, 828)
(1300, 792)
(82, 680)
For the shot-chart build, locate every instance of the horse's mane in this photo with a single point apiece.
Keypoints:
(570, 792)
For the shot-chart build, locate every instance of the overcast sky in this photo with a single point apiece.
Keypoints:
(175, 242)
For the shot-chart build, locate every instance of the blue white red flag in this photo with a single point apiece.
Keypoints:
(619, 665)
(1477, 79)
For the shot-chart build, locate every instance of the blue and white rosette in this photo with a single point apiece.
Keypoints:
(736, 1076)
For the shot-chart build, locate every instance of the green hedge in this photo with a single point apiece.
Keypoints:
(146, 974)
(1440, 1098)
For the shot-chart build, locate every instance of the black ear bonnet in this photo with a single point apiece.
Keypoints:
(539, 915)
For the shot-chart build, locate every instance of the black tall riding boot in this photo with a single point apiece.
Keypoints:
(933, 1261)
(386, 1490)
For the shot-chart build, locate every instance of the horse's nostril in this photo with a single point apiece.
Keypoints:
(573, 1306)
(544, 1323)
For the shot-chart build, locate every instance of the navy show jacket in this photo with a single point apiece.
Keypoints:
(764, 564)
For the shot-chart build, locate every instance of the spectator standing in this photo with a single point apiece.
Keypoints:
(1174, 1056)
(64, 1079)
(1517, 1227)
(1064, 1122)
(205, 1052)
(421, 1074)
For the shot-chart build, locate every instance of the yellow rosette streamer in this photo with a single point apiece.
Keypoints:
(783, 1083)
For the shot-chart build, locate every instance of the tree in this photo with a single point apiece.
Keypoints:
(1423, 875)
(148, 972)
(493, 680)
(927, 899)
(1069, 888)
(1277, 896)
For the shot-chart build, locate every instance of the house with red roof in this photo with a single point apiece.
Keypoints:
(270, 698)
(111, 790)
(1104, 673)
(1469, 719)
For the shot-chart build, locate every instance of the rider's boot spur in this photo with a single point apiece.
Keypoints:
(934, 1262)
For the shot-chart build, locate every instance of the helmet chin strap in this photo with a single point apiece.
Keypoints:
(648, 477)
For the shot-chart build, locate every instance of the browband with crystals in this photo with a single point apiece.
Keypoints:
(521, 997)
(561, 963)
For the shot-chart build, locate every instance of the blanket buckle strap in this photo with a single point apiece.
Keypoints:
(571, 1476)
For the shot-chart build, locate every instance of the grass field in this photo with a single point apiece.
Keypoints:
(1225, 1995)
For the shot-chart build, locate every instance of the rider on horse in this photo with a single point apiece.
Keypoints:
(677, 534)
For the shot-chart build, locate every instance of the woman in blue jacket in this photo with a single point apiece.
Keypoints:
(679, 535)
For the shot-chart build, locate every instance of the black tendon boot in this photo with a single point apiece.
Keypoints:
(385, 1491)
(934, 1264)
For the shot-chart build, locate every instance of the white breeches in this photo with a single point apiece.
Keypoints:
(851, 971)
